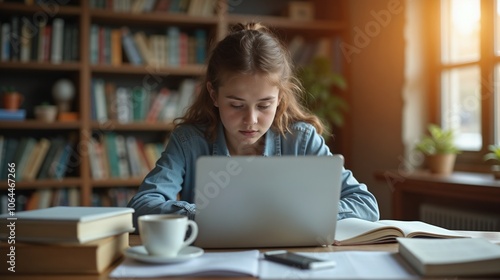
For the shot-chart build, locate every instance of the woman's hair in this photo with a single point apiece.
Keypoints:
(251, 49)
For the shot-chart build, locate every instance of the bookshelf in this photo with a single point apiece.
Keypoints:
(34, 78)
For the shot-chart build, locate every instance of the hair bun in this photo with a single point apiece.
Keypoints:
(249, 26)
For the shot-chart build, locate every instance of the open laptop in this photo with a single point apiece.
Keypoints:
(248, 201)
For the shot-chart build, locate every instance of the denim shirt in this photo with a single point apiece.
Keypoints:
(174, 172)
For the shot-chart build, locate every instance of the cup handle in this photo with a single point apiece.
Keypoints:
(194, 233)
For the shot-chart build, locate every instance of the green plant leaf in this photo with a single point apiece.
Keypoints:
(320, 84)
(438, 141)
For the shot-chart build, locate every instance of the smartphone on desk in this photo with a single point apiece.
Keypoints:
(296, 260)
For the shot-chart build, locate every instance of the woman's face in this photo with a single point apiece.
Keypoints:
(247, 106)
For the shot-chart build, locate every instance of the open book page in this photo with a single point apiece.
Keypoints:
(420, 229)
(352, 231)
(242, 263)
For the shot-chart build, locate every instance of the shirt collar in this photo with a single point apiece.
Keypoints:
(271, 148)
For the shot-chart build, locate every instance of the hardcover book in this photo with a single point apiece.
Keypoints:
(67, 224)
(88, 258)
(451, 257)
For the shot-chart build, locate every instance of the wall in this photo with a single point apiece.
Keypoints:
(375, 54)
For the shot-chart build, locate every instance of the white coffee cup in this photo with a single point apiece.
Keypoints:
(165, 234)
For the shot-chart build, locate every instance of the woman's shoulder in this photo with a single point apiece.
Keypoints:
(302, 127)
(187, 132)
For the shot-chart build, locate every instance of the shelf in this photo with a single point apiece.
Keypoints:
(136, 126)
(41, 183)
(36, 79)
(110, 183)
(186, 70)
(154, 18)
(31, 9)
(34, 124)
(40, 66)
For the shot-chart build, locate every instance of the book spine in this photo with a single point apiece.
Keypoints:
(57, 41)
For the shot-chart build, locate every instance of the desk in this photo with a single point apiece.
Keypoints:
(464, 190)
(135, 240)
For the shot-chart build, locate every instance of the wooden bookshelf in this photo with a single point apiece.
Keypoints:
(34, 79)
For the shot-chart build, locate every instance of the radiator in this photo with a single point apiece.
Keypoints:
(457, 219)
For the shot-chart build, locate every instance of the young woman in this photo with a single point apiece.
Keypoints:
(248, 105)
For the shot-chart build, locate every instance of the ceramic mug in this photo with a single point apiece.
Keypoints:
(165, 234)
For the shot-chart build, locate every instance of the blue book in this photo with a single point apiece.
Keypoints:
(200, 45)
(9, 115)
(173, 35)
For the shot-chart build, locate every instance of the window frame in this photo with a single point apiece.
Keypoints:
(466, 160)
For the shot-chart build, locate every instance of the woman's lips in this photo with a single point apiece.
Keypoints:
(248, 133)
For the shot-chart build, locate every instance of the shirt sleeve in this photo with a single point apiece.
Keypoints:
(160, 188)
(356, 201)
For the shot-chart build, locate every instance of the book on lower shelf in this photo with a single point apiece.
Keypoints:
(88, 258)
(451, 257)
(64, 224)
(12, 115)
(353, 231)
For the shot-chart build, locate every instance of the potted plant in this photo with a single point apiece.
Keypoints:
(319, 82)
(45, 112)
(494, 155)
(12, 99)
(439, 149)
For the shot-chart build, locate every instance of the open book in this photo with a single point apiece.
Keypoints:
(352, 231)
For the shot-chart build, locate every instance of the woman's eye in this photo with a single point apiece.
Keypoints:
(263, 107)
(236, 106)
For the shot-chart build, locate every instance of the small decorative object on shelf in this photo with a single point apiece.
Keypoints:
(439, 149)
(63, 92)
(300, 10)
(46, 112)
(494, 155)
(12, 99)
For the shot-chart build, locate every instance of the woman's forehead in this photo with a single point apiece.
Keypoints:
(228, 77)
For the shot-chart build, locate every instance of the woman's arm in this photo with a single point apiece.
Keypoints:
(355, 200)
(160, 188)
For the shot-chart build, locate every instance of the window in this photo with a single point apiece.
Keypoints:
(468, 76)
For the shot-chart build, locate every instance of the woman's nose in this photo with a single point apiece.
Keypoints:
(250, 117)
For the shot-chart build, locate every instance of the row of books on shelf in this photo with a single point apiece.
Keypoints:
(86, 240)
(111, 102)
(51, 197)
(172, 48)
(42, 198)
(118, 156)
(42, 158)
(190, 7)
(25, 39)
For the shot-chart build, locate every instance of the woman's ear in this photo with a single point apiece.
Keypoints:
(211, 91)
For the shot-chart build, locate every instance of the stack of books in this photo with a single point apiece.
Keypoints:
(64, 240)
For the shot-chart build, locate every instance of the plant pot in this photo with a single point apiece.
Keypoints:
(495, 169)
(12, 100)
(46, 113)
(441, 163)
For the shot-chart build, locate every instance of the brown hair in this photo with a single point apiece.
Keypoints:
(250, 49)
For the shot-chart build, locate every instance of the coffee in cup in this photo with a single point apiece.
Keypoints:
(165, 234)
